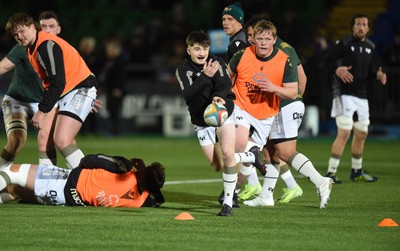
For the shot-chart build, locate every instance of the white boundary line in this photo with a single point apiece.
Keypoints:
(179, 182)
(298, 176)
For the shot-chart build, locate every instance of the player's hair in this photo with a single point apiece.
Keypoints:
(198, 37)
(353, 20)
(255, 19)
(150, 178)
(265, 25)
(19, 19)
(48, 14)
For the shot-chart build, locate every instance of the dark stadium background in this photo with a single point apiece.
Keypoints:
(153, 33)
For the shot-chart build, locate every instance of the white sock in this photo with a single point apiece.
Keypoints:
(45, 161)
(72, 155)
(356, 164)
(245, 157)
(252, 180)
(270, 179)
(304, 166)
(18, 177)
(229, 187)
(333, 164)
(289, 180)
(48, 159)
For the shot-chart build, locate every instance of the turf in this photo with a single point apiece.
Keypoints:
(350, 221)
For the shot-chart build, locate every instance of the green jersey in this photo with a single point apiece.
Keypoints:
(26, 86)
(291, 52)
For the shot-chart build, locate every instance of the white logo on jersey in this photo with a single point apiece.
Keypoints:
(237, 43)
(360, 49)
(368, 50)
(352, 48)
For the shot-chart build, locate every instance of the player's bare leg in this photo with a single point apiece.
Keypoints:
(47, 149)
(16, 130)
(226, 135)
(65, 132)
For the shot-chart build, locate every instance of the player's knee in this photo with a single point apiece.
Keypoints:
(16, 132)
(362, 126)
(62, 142)
(15, 141)
(240, 146)
(344, 123)
(284, 154)
(275, 160)
(229, 158)
(16, 125)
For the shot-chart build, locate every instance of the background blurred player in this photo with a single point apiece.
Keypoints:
(66, 78)
(352, 66)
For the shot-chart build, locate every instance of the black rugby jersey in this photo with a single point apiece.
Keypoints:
(198, 89)
(350, 51)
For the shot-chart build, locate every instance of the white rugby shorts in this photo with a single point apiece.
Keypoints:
(12, 106)
(262, 127)
(347, 105)
(49, 184)
(287, 122)
(208, 135)
(79, 102)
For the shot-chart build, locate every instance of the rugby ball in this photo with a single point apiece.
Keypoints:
(215, 114)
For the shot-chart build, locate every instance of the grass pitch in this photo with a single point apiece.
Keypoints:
(350, 222)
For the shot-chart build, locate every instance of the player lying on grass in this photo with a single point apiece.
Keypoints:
(99, 180)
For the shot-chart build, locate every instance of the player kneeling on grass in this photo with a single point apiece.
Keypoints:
(99, 180)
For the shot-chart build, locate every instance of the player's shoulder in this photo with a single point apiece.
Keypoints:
(346, 40)
(240, 36)
(282, 44)
(239, 40)
(238, 54)
(18, 52)
(370, 43)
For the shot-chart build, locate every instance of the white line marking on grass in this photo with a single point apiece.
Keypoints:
(178, 182)
(296, 176)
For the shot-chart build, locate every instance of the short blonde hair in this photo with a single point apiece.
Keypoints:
(265, 25)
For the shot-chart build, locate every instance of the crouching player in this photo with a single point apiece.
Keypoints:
(99, 180)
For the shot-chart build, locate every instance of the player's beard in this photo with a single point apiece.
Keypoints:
(360, 35)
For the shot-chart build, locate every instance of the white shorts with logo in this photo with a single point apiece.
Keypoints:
(78, 102)
(12, 106)
(262, 127)
(287, 122)
(347, 105)
(49, 184)
(208, 135)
